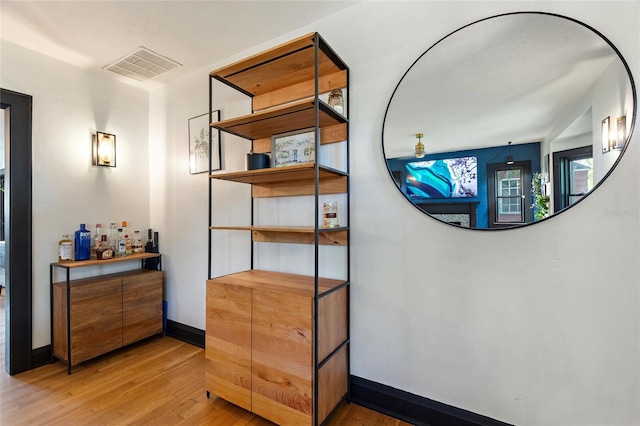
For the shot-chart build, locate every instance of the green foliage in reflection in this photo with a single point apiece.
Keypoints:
(540, 202)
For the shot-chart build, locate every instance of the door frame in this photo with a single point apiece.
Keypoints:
(18, 167)
(526, 192)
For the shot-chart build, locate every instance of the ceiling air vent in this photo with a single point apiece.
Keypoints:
(142, 64)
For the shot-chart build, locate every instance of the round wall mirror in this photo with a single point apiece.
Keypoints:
(509, 120)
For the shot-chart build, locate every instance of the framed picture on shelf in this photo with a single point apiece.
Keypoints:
(199, 149)
(293, 148)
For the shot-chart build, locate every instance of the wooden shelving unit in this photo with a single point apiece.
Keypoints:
(296, 369)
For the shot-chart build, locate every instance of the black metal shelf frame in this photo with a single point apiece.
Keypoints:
(319, 45)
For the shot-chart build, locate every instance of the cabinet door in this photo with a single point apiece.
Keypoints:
(228, 342)
(96, 318)
(141, 305)
(282, 342)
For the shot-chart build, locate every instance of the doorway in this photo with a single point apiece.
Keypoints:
(17, 229)
(509, 194)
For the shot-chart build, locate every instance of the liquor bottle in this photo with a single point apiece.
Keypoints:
(121, 246)
(97, 239)
(82, 243)
(103, 252)
(127, 238)
(136, 242)
(112, 239)
(65, 249)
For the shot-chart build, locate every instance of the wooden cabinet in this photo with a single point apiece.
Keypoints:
(277, 343)
(93, 316)
(260, 345)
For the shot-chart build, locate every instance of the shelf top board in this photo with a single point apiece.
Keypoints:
(298, 173)
(300, 285)
(281, 66)
(298, 115)
(94, 262)
(292, 229)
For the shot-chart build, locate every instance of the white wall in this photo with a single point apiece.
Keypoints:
(69, 106)
(532, 326)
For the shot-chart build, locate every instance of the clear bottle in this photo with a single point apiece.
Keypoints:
(121, 246)
(82, 243)
(65, 249)
(136, 242)
(112, 238)
(127, 238)
(97, 239)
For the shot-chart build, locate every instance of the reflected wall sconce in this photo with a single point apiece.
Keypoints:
(606, 135)
(104, 150)
(419, 146)
(509, 156)
(621, 132)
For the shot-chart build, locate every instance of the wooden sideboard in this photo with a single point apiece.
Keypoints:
(96, 315)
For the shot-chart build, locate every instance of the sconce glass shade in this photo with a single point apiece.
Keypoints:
(419, 146)
(104, 150)
(621, 131)
(606, 141)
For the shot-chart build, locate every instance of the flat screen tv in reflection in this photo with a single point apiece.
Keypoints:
(445, 178)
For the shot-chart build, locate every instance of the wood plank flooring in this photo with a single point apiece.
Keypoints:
(156, 382)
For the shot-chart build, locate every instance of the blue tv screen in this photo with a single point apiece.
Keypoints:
(446, 178)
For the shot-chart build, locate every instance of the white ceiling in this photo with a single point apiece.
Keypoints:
(93, 34)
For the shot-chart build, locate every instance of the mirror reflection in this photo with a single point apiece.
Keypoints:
(509, 120)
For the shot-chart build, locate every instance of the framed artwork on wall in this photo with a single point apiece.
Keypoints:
(290, 149)
(203, 149)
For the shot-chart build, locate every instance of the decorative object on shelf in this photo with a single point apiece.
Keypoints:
(336, 101)
(419, 146)
(257, 161)
(510, 156)
(606, 143)
(621, 132)
(203, 143)
(289, 149)
(330, 214)
(103, 151)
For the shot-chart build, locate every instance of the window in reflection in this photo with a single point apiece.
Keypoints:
(573, 174)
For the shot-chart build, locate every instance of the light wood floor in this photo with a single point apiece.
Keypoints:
(156, 382)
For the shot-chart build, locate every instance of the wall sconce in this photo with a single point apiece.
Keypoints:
(606, 136)
(509, 156)
(104, 150)
(419, 146)
(621, 131)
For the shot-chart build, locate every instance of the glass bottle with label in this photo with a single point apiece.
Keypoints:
(127, 238)
(136, 242)
(97, 239)
(103, 252)
(112, 239)
(65, 249)
(82, 242)
(121, 246)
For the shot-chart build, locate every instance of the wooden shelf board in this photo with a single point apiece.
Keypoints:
(279, 67)
(93, 262)
(293, 116)
(292, 234)
(301, 285)
(301, 172)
